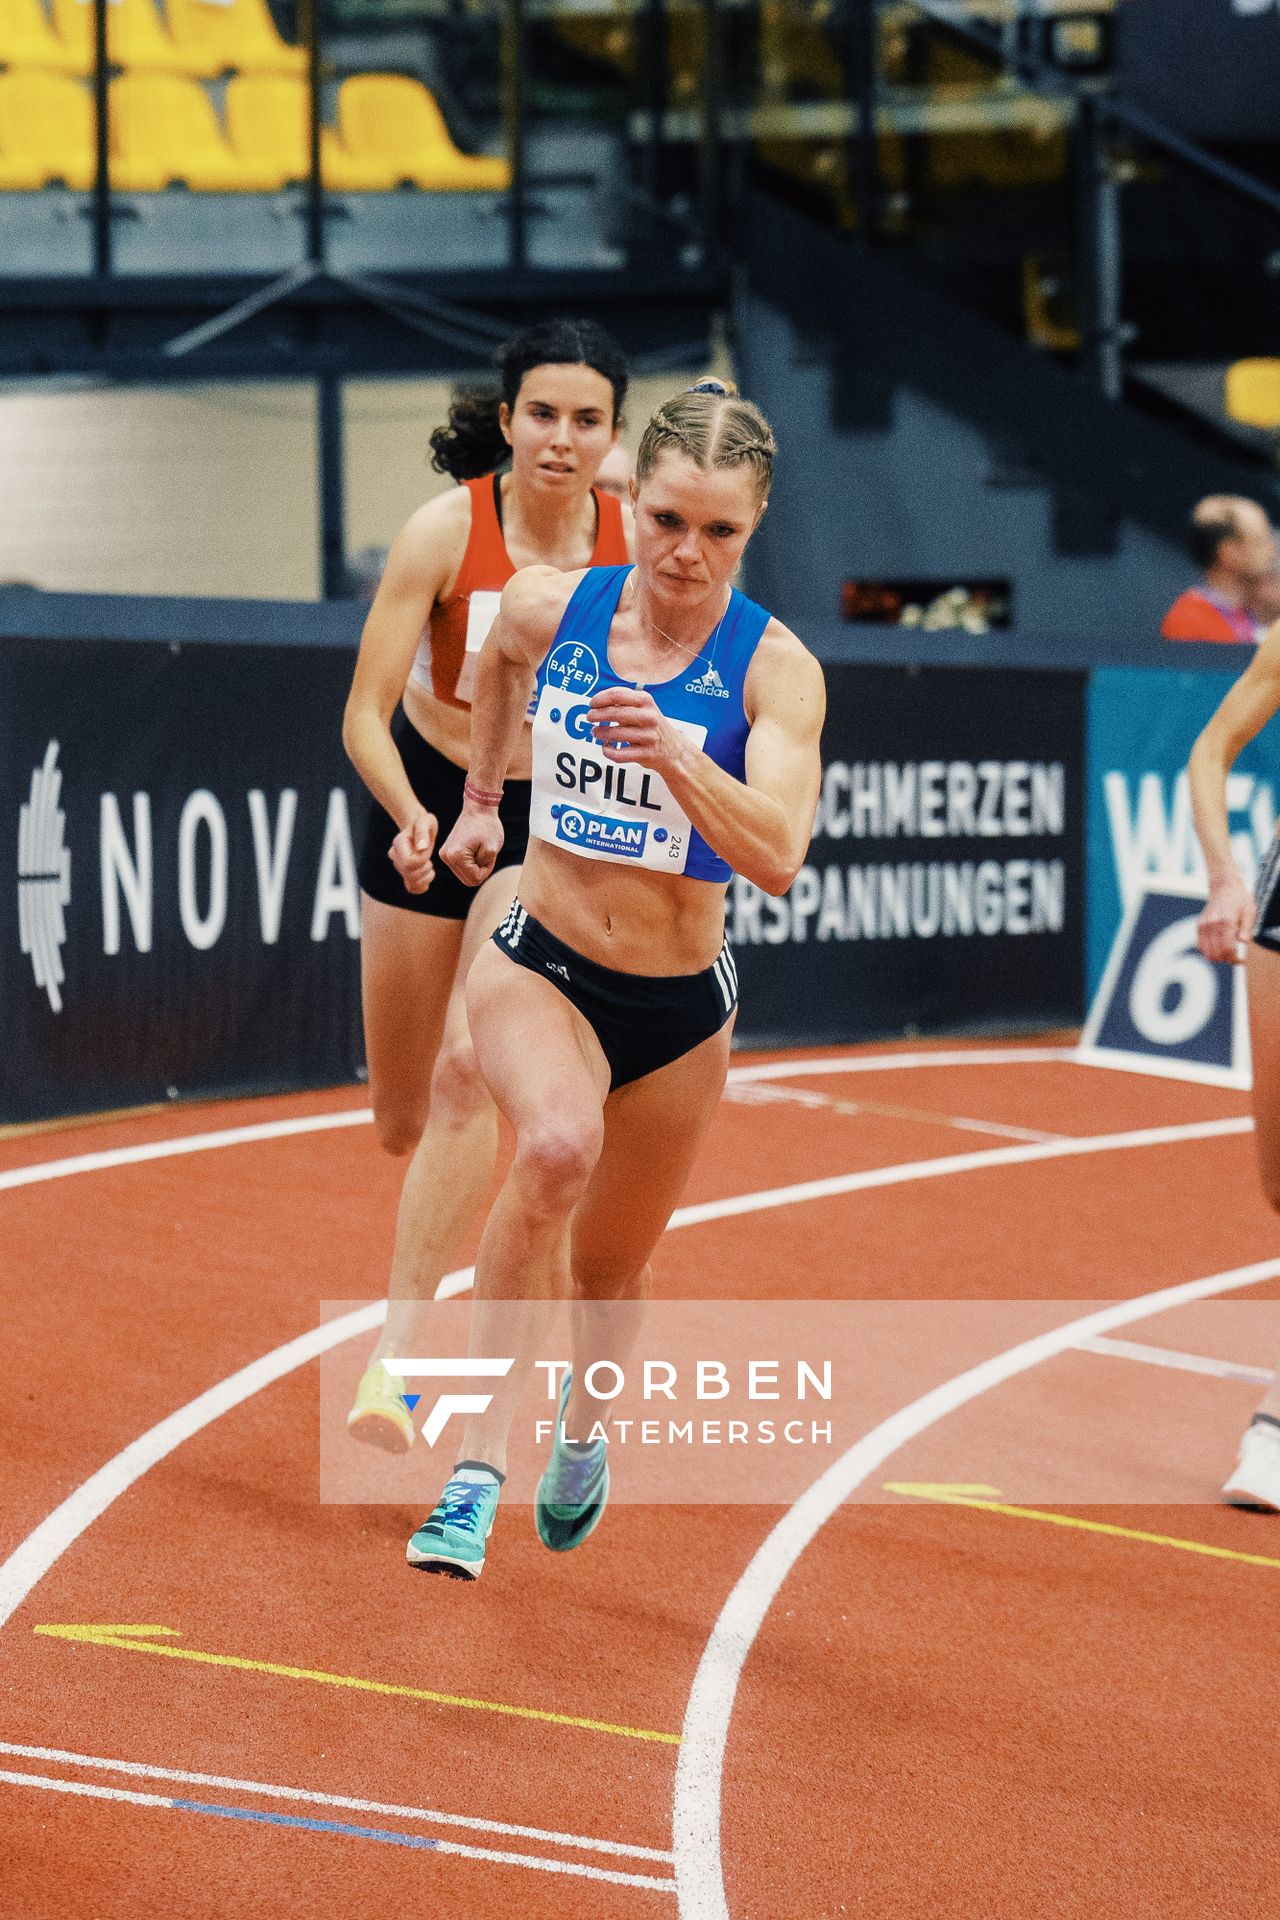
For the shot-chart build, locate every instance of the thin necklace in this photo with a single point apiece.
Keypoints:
(694, 653)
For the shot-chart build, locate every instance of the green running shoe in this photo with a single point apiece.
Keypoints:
(453, 1540)
(572, 1492)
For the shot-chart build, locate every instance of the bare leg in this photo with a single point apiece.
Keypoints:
(407, 965)
(1255, 1480)
(571, 1194)
(658, 1124)
(548, 1075)
(452, 1163)
(1264, 1033)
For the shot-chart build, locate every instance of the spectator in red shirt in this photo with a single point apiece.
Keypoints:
(1233, 545)
(1264, 599)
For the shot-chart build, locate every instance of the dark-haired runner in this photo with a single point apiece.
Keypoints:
(675, 740)
(555, 417)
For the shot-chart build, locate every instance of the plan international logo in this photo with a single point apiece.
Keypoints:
(596, 831)
(44, 878)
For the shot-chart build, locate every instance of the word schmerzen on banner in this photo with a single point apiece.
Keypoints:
(885, 899)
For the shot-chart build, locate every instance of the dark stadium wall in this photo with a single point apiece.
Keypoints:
(1231, 47)
(919, 441)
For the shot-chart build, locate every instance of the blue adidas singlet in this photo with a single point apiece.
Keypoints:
(600, 808)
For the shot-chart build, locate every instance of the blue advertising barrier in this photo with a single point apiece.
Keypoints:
(182, 917)
(1163, 1008)
(1140, 726)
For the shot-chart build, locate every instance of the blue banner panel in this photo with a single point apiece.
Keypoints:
(183, 917)
(1142, 725)
(1162, 1007)
(944, 889)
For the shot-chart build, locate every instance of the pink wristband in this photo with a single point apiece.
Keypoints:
(481, 796)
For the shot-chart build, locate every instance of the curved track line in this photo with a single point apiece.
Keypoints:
(362, 1116)
(186, 1143)
(700, 1764)
(46, 1544)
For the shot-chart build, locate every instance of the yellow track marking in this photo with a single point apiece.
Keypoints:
(141, 1640)
(964, 1496)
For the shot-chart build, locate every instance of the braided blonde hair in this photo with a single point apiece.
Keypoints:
(711, 425)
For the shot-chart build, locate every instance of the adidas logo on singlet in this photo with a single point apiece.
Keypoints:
(708, 683)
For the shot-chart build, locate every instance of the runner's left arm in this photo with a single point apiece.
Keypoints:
(1251, 701)
(761, 825)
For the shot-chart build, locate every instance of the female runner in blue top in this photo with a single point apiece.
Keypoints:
(675, 741)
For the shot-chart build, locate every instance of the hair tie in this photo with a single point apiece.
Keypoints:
(710, 386)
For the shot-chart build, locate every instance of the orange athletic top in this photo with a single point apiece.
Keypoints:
(446, 658)
(1194, 616)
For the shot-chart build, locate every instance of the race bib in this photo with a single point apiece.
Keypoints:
(599, 808)
(482, 611)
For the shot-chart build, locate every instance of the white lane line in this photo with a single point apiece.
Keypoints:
(1166, 1357)
(906, 1170)
(188, 1143)
(700, 1761)
(46, 1544)
(137, 1769)
(906, 1062)
(362, 1116)
(756, 1093)
(577, 1869)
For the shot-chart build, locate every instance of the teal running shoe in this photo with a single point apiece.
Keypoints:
(453, 1540)
(572, 1492)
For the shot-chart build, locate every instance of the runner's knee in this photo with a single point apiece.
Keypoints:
(606, 1277)
(458, 1091)
(399, 1128)
(555, 1158)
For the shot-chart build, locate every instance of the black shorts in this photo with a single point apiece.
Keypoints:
(438, 784)
(643, 1021)
(1267, 901)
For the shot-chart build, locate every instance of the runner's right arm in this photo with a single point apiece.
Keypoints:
(533, 604)
(425, 557)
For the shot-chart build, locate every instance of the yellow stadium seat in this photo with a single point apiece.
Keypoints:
(164, 129)
(268, 121)
(384, 116)
(137, 38)
(27, 40)
(1252, 393)
(18, 176)
(236, 34)
(47, 128)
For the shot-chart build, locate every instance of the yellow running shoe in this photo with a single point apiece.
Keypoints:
(380, 1417)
